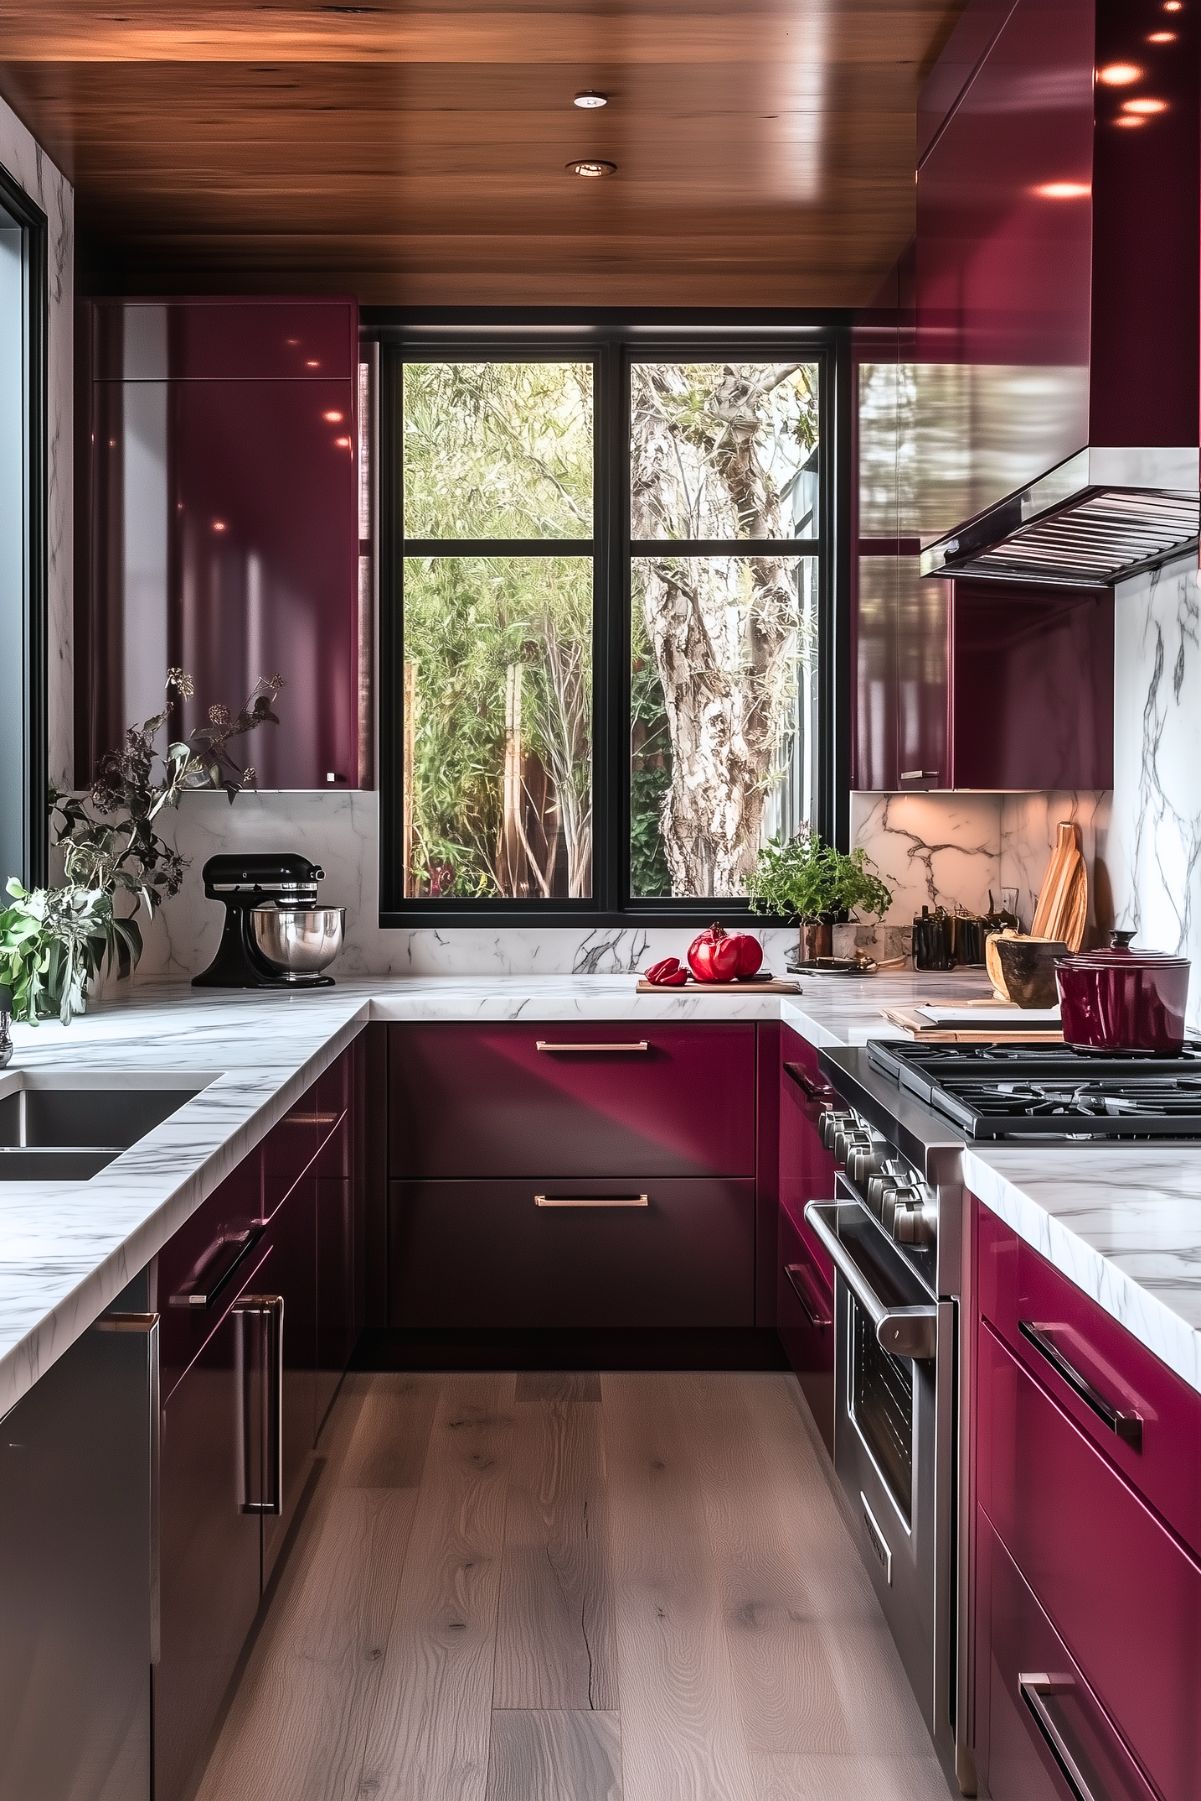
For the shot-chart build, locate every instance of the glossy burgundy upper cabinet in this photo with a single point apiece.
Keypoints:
(1003, 268)
(222, 508)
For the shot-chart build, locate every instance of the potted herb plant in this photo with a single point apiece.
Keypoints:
(54, 941)
(809, 881)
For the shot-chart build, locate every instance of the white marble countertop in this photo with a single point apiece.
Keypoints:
(68, 1249)
(1121, 1221)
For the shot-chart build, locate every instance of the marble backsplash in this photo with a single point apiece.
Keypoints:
(934, 849)
(1156, 834)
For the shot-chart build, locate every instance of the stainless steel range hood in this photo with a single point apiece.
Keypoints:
(1100, 516)
(1057, 353)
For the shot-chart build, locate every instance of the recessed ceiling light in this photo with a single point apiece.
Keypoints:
(1119, 75)
(591, 166)
(590, 101)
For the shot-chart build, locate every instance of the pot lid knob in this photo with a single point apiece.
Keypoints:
(1121, 941)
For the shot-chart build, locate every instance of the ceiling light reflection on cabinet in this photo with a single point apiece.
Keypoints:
(1119, 75)
(1146, 107)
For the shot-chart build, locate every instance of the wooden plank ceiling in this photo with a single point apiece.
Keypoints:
(413, 151)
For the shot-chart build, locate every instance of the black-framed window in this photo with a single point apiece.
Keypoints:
(22, 535)
(611, 627)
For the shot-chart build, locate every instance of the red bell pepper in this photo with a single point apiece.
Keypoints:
(667, 973)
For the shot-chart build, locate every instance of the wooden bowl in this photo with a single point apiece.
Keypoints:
(1027, 967)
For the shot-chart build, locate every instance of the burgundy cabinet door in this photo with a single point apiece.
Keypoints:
(1120, 1590)
(1004, 268)
(923, 677)
(336, 1252)
(646, 1252)
(293, 1238)
(805, 1312)
(1069, 1344)
(263, 574)
(224, 532)
(209, 1542)
(1035, 1712)
(573, 1100)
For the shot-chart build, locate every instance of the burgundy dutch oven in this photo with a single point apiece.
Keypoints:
(1122, 999)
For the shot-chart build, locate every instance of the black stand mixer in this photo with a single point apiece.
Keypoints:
(275, 935)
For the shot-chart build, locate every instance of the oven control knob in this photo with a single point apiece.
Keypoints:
(831, 1123)
(911, 1224)
(864, 1158)
(846, 1138)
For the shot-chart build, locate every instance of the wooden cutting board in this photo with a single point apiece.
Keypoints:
(1062, 910)
(774, 985)
(919, 1027)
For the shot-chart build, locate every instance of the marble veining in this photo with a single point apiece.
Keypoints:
(1123, 1222)
(1157, 793)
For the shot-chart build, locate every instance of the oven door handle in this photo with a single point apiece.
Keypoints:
(901, 1331)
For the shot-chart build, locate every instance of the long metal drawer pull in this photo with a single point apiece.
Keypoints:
(592, 1200)
(269, 1307)
(544, 1044)
(1032, 1689)
(216, 1276)
(901, 1331)
(1124, 1425)
(916, 775)
(800, 1281)
(814, 1091)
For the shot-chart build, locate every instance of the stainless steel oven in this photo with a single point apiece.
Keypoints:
(893, 1232)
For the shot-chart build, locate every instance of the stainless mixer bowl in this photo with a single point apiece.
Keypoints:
(298, 941)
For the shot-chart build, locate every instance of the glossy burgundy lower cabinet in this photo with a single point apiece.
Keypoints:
(203, 1266)
(1141, 1417)
(338, 1246)
(639, 1251)
(1042, 1735)
(1121, 1591)
(597, 1099)
(292, 1235)
(806, 1167)
(805, 1322)
(211, 1476)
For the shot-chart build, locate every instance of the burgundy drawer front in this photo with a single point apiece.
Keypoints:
(204, 1266)
(1042, 1733)
(805, 1311)
(1043, 1317)
(225, 340)
(806, 1167)
(486, 1254)
(1121, 1591)
(290, 1146)
(486, 1101)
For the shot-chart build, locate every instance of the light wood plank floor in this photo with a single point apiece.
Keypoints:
(572, 1588)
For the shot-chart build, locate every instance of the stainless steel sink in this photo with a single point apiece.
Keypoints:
(68, 1125)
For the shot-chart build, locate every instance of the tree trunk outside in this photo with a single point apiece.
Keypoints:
(728, 679)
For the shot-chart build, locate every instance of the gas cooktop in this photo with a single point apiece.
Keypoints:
(1020, 1091)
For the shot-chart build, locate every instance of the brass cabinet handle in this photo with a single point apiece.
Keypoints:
(269, 1308)
(592, 1200)
(1126, 1426)
(543, 1044)
(1032, 1689)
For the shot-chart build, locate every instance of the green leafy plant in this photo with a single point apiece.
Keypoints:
(55, 941)
(807, 880)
